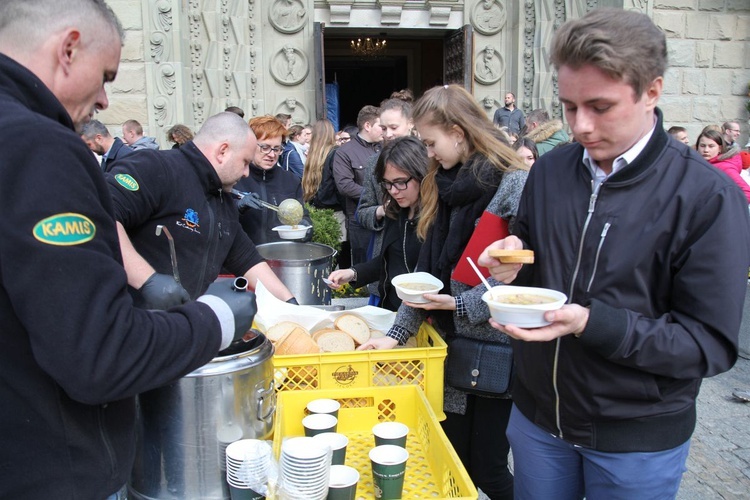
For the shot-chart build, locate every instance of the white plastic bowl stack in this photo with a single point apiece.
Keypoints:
(248, 464)
(304, 469)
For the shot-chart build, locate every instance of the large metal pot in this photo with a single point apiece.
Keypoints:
(184, 428)
(301, 267)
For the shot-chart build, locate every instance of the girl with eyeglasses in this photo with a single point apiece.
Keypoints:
(268, 182)
(400, 168)
(472, 172)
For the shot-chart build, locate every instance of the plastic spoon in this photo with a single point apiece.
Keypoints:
(481, 276)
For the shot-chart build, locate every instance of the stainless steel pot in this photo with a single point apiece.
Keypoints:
(301, 267)
(184, 428)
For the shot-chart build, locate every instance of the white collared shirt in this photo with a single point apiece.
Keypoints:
(620, 162)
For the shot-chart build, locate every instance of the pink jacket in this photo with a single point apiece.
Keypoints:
(732, 166)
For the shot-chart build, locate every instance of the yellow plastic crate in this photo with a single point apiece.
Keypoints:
(420, 366)
(433, 469)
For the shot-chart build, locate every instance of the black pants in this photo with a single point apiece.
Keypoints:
(479, 439)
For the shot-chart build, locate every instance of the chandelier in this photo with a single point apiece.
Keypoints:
(368, 47)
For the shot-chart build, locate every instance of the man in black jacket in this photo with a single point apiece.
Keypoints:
(100, 141)
(187, 190)
(74, 351)
(651, 244)
(349, 170)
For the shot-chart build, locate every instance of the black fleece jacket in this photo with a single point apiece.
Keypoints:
(179, 189)
(73, 350)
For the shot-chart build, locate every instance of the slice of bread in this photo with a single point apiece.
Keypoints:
(335, 341)
(298, 341)
(512, 256)
(354, 326)
(280, 330)
(316, 335)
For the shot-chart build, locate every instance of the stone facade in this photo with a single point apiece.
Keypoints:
(184, 60)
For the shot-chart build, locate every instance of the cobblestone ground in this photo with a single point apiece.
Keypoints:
(719, 461)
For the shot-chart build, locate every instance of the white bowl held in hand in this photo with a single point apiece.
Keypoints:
(410, 287)
(522, 306)
(291, 232)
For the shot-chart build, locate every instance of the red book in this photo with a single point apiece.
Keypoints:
(491, 228)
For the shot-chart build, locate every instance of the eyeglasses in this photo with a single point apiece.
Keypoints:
(399, 185)
(265, 149)
(344, 139)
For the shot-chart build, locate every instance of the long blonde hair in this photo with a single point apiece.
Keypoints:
(448, 106)
(322, 142)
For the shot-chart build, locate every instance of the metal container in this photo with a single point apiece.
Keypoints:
(184, 428)
(301, 267)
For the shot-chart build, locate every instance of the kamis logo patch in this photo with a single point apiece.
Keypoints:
(190, 221)
(65, 229)
(127, 182)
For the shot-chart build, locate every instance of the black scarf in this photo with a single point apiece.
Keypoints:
(466, 190)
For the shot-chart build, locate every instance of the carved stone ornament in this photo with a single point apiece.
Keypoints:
(287, 16)
(292, 106)
(489, 66)
(489, 102)
(289, 66)
(488, 16)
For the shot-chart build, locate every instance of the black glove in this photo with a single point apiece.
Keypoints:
(161, 291)
(250, 200)
(241, 303)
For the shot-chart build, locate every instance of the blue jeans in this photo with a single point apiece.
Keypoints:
(546, 466)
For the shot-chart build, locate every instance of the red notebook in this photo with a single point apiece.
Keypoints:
(491, 228)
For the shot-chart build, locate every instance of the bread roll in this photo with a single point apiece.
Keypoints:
(354, 326)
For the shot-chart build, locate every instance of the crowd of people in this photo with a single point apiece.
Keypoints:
(623, 216)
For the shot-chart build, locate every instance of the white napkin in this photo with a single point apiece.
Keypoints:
(272, 310)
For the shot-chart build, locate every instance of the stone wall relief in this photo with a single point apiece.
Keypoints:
(489, 66)
(489, 102)
(287, 16)
(290, 105)
(289, 66)
(488, 16)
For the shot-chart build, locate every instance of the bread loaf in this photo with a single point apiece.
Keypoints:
(280, 330)
(298, 341)
(354, 326)
(335, 341)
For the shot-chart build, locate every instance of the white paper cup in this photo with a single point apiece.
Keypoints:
(342, 483)
(329, 406)
(338, 443)
(390, 433)
(318, 423)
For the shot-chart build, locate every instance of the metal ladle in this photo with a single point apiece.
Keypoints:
(289, 211)
(172, 252)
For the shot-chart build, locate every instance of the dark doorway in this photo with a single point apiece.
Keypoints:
(414, 62)
(363, 82)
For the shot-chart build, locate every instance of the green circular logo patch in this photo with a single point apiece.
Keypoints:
(65, 229)
(127, 182)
